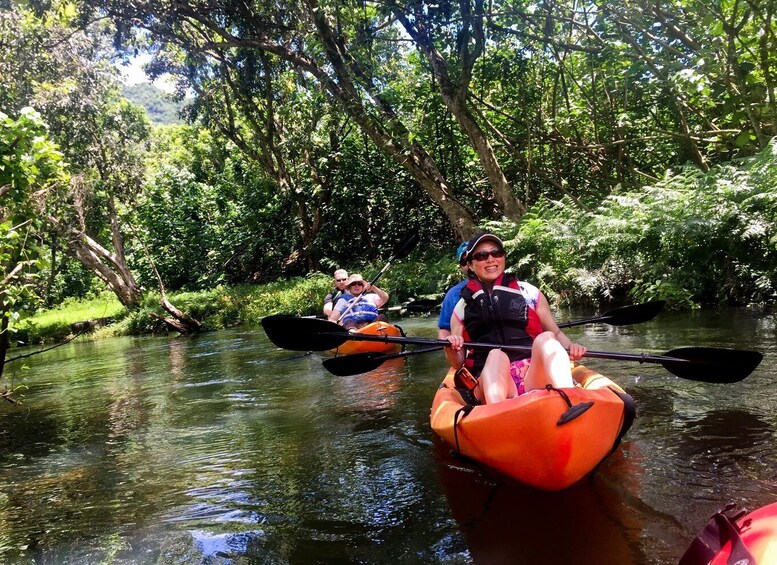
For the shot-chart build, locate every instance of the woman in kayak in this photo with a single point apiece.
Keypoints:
(497, 308)
(359, 305)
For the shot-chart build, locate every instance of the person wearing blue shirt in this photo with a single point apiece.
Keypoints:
(452, 296)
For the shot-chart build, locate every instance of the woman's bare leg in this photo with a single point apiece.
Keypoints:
(496, 384)
(549, 364)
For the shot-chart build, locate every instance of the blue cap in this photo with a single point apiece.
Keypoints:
(461, 251)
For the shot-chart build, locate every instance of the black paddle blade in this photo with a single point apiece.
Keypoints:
(623, 316)
(712, 365)
(355, 364)
(422, 305)
(407, 247)
(635, 314)
(303, 334)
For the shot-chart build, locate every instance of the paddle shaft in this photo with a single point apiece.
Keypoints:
(407, 246)
(641, 357)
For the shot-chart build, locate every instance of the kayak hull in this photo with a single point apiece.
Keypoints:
(758, 531)
(522, 438)
(351, 347)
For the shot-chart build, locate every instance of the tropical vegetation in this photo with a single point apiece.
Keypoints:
(623, 150)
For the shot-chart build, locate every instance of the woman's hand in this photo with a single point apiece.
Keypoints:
(456, 342)
(576, 351)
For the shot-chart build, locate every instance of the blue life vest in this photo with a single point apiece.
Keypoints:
(363, 312)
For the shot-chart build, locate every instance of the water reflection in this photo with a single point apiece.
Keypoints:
(508, 523)
(223, 448)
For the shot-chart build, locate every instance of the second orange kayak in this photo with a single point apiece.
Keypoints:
(376, 328)
(750, 538)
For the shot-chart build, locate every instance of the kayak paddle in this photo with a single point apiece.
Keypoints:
(358, 363)
(623, 316)
(694, 363)
(405, 250)
(283, 326)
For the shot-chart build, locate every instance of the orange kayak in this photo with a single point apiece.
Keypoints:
(376, 328)
(523, 438)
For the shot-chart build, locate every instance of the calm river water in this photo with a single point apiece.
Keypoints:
(223, 449)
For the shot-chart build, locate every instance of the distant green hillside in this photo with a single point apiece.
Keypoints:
(161, 109)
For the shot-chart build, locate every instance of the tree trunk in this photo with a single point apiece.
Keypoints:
(105, 265)
(3, 335)
(180, 322)
(117, 275)
(454, 94)
(511, 207)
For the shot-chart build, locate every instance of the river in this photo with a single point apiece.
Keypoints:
(221, 448)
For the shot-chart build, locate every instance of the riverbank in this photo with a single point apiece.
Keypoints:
(223, 306)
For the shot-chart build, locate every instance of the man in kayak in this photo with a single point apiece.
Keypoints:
(452, 296)
(341, 277)
(359, 305)
(497, 308)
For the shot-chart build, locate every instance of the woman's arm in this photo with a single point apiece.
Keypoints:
(382, 294)
(454, 353)
(576, 351)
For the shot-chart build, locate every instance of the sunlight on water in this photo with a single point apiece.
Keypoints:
(222, 447)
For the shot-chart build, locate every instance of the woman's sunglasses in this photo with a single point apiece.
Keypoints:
(483, 255)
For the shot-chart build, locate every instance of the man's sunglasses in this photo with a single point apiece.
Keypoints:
(483, 255)
(341, 280)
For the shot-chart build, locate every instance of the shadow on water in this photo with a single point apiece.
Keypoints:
(507, 523)
(722, 432)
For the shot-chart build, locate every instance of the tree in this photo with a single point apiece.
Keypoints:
(313, 39)
(458, 29)
(29, 165)
(63, 72)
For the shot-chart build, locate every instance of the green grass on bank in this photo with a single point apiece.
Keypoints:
(229, 306)
(47, 326)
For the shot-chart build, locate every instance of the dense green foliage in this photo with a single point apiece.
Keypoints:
(29, 164)
(693, 238)
(320, 143)
(160, 107)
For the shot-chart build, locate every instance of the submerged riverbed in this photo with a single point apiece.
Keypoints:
(223, 449)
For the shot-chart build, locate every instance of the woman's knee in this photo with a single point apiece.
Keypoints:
(497, 356)
(546, 341)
